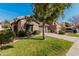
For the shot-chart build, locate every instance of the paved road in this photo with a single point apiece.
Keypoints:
(74, 50)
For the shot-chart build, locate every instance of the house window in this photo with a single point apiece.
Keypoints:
(29, 28)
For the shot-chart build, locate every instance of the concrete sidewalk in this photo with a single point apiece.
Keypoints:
(74, 50)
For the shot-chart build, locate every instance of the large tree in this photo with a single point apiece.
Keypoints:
(48, 12)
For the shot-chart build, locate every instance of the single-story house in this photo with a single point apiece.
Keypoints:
(55, 27)
(59, 27)
(77, 27)
(1, 27)
(73, 28)
(21, 23)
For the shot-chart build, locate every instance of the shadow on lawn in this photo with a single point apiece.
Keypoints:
(36, 38)
(6, 47)
(33, 38)
(29, 38)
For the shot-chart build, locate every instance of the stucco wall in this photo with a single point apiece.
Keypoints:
(21, 25)
(12, 27)
(45, 29)
(1, 27)
(77, 30)
(35, 26)
(22, 22)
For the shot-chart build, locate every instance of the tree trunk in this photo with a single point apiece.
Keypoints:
(43, 34)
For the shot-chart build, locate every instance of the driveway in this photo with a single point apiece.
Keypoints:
(74, 50)
(72, 39)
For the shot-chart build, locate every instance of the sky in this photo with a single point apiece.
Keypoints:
(70, 12)
(8, 11)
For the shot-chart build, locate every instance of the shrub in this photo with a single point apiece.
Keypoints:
(6, 36)
(36, 32)
(61, 32)
(21, 33)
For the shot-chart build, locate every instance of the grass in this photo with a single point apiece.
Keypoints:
(73, 34)
(37, 47)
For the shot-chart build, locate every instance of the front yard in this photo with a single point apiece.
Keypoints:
(37, 47)
(73, 34)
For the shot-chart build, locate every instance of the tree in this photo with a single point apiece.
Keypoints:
(6, 24)
(75, 21)
(48, 12)
(28, 19)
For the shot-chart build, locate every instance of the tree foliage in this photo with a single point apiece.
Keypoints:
(49, 12)
(6, 24)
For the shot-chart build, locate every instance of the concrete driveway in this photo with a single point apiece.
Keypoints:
(69, 38)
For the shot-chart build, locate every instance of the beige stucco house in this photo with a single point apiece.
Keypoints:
(21, 23)
(1, 27)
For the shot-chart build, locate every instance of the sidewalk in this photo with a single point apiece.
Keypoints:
(74, 50)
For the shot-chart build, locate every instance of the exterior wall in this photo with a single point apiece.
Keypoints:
(35, 26)
(21, 25)
(40, 28)
(59, 27)
(45, 29)
(12, 27)
(77, 30)
(1, 27)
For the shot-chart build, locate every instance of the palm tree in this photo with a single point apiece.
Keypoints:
(48, 12)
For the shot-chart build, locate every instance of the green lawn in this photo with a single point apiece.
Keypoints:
(36, 47)
(73, 34)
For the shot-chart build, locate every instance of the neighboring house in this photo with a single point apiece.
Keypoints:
(21, 23)
(1, 26)
(77, 27)
(55, 27)
(59, 27)
(71, 29)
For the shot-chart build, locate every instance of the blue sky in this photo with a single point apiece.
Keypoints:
(68, 13)
(9, 11)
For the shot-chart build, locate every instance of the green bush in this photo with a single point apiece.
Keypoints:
(6, 36)
(61, 32)
(21, 34)
(36, 32)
